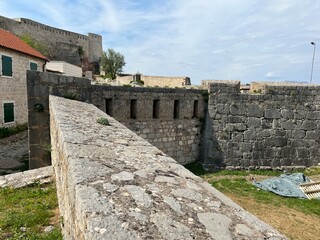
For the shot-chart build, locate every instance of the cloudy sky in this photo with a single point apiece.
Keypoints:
(247, 40)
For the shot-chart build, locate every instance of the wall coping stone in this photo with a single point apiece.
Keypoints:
(112, 184)
(26, 178)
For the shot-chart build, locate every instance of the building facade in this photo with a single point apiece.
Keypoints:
(16, 57)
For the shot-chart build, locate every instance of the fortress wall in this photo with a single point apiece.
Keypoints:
(178, 137)
(157, 81)
(277, 126)
(112, 184)
(61, 44)
(39, 87)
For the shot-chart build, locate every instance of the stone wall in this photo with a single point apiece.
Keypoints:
(112, 184)
(178, 136)
(40, 86)
(62, 45)
(14, 89)
(156, 81)
(275, 127)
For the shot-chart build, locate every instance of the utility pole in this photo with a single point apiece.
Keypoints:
(314, 52)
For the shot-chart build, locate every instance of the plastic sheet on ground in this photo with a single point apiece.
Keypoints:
(286, 185)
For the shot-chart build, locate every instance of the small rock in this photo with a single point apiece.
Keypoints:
(122, 176)
(48, 229)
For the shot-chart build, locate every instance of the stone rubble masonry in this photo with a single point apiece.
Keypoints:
(39, 87)
(179, 138)
(153, 81)
(276, 125)
(22, 179)
(112, 184)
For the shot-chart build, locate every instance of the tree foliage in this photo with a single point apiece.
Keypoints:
(112, 63)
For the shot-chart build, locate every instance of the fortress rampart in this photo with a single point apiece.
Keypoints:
(276, 127)
(61, 44)
(112, 184)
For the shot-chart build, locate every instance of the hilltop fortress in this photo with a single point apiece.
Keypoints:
(60, 44)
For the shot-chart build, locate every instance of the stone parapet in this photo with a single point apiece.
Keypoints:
(112, 184)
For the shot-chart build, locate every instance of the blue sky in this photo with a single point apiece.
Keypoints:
(247, 40)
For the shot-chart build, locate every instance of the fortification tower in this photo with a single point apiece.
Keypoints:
(59, 44)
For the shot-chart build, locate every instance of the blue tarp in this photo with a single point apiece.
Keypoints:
(286, 185)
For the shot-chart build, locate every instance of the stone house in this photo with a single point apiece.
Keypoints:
(16, 57)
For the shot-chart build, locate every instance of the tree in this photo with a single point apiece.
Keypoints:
(112, 63)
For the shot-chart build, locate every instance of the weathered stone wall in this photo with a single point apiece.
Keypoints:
(14, 89)
(112, 184)
(156, 81)
(40, 86)
(62, 45)
(178, 137)
(278, 128)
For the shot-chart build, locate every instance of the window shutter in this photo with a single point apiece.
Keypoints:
(8, 112)
(33, 66)
(6, 65)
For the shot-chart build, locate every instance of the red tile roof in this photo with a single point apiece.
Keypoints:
(11, 41)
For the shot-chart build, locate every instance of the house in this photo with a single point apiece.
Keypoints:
(16, 57)
(64, 68)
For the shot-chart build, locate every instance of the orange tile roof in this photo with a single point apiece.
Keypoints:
(11, 41)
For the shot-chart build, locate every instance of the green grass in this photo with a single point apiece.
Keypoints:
(234, 182)
(8, 131)
(31, 208)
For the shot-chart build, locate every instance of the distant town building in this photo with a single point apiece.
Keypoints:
(16, 58)
(64, 68)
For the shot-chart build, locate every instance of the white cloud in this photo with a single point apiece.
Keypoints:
(203, 39)
(273, 75)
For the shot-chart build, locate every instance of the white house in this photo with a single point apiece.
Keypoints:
(16, 57)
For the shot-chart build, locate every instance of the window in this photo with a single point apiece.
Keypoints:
(6, 66)
(156, 108)
(8, 112)
(109, 106)
(133, 108)
(33, 66)
(195, 109)
(176, 109)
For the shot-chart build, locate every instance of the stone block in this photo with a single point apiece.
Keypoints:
(276, 141)
(272, 113)
(253, 122)
(237, 109)
(287, 114)
(309, 125)
(255, 110)
(250, 135)
(298, 134)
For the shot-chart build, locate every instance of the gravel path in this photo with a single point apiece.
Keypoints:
(13, 150)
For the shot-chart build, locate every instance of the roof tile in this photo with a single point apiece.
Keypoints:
(11, 41)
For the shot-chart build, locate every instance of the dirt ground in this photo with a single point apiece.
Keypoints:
(13, 153)
(294, 224)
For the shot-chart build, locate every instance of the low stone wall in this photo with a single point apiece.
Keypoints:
(112, 184)
(156, 81)
(178, 136)
(277, 126)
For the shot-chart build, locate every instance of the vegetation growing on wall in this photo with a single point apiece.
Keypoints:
(35, 44)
